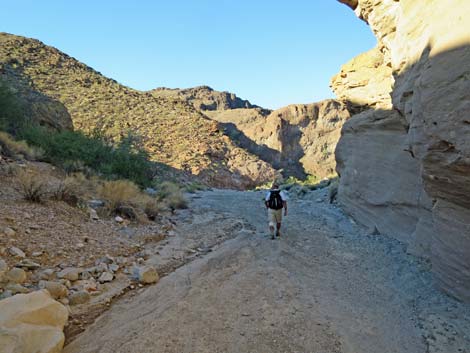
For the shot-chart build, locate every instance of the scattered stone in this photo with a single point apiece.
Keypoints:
(70, 273)
(16, 288)
(37, 253)
(95, 204)
(16, 275)
(64, 301)
(89, 285)
(113, 267)
(9, 232)
(106, 277)
(85, 275)
(119, 219)
(146, 274)
(79, 297)
(80, 245)
(56, 290)
(3, 269)
(28, 264)
(46, 274)
(102, 267)
(32, 323)
(93, 214)
(14, 251)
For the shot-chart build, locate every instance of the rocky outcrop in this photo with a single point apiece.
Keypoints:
(32, 323)
(404, 162)
(299, 138)
(205, 98)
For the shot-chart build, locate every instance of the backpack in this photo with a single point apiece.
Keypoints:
(275, 200)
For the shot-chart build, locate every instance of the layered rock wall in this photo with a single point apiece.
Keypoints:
(404, 161)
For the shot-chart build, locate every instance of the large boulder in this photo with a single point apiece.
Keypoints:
(32, 323)
(405, 163)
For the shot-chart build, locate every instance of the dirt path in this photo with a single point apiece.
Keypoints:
(324, 287)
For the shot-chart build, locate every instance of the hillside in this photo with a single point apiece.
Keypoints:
(172, 130)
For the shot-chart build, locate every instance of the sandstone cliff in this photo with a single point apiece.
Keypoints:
(404, 162)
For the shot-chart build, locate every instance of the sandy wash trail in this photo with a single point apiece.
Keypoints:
(325, 286)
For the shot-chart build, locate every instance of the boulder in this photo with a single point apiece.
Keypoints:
(32, 323)
(146, 274)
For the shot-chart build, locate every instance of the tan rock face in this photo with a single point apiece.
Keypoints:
(405, 166)
(299, 138)
(32, 323)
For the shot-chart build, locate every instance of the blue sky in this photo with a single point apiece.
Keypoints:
(273, 52)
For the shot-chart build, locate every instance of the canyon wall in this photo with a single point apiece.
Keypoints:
(300, 139)
(404, 159)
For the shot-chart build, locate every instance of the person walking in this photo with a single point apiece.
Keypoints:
(275, 201)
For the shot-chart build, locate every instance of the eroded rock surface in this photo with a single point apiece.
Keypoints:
(32, 323)
(405, 163)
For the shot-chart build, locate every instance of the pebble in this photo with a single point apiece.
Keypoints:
(119, 219)
(113, 267)
(37, 254)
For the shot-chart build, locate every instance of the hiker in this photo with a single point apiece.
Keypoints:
(275, 201)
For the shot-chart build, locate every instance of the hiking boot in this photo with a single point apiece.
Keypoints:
(278, 234)
(272, 236)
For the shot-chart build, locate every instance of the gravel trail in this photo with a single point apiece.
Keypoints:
(324, 286)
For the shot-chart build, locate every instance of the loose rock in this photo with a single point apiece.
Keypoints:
(106, 277)
(14, 251)
(146, 274)
(32, 323)
(70, 273)
(57, 290)
(16, 275)
(79, 297)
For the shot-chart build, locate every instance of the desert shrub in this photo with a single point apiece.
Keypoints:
(171, 194)
(77, 152)
(119, 193)
(151, 206)
(11, 110)
(71, 189)
(16, 149)
(194, 186)
(32, 186)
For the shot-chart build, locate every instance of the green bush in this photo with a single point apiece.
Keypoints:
(76, 152)
(11, 110)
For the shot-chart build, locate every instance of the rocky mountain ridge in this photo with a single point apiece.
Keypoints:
(171, 130)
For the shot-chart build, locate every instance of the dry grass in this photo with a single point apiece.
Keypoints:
(31, 185)
(18, 149)
(119, 193)
(171, 194)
